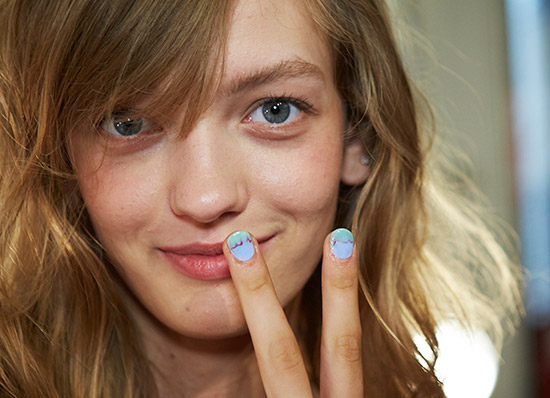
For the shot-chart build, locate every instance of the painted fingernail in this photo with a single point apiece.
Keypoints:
(240, 244)
(341, 243)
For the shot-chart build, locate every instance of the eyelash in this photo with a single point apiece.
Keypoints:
(301, 103)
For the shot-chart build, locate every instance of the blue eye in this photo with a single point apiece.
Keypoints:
(275, 112)
(125, 126)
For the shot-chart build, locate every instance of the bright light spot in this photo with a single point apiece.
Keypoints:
(467, 363)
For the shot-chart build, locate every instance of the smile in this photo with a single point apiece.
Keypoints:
(202, 261)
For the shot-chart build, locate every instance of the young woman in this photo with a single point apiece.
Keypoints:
(171, 173)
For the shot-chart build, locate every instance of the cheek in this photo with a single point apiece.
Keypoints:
(119, 197)
(304, 179)
(302, 183)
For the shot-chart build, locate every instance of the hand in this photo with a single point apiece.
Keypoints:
(279, 358)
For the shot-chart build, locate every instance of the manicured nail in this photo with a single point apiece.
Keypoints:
(341, 243)
(240, 244)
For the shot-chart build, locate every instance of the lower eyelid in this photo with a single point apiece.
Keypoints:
(273, 132)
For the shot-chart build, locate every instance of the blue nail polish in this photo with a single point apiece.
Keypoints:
(341, 243)
(240, 244)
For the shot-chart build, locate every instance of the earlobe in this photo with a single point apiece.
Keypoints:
(355, 164)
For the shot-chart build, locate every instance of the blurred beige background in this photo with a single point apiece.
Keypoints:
(466, 80)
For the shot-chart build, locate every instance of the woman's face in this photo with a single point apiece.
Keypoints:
(265, 157)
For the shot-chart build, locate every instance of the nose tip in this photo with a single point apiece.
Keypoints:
(211, 185)
(208, 206)
(207, 201)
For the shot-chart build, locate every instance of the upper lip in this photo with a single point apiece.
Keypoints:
(202, 249)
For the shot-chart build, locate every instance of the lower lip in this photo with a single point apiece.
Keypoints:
(202, 267)
(199, 267)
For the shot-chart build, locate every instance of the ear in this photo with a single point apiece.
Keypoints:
(355, 170)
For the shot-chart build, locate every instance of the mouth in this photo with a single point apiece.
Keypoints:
(202, 261)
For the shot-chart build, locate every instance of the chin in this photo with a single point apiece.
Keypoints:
(207, 327)
(204, 317)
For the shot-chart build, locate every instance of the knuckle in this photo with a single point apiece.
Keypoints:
(257, 282)
(343, 281)
(348, 347)
(284, 354)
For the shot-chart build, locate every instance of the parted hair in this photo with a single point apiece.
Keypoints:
(428, 252)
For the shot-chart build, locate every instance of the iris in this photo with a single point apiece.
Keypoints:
(276, 112)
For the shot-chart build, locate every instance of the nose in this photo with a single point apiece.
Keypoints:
(207, 182)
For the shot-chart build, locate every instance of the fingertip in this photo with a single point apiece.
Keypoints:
(240, 245)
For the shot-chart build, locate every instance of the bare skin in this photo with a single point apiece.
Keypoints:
(155, 190)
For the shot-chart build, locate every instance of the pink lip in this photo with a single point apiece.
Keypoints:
(201, 261)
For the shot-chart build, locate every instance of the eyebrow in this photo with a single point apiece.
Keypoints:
(281, 70)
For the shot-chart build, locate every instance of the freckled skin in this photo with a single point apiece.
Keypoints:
(221, 178)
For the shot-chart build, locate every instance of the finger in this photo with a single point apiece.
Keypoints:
(341, 363)
(279, 358)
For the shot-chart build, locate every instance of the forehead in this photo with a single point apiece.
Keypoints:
(264, 33)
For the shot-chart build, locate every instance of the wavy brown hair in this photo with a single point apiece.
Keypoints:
(426, 254)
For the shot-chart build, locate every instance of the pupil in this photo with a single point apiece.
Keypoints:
(275, 109)
(276, 112)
